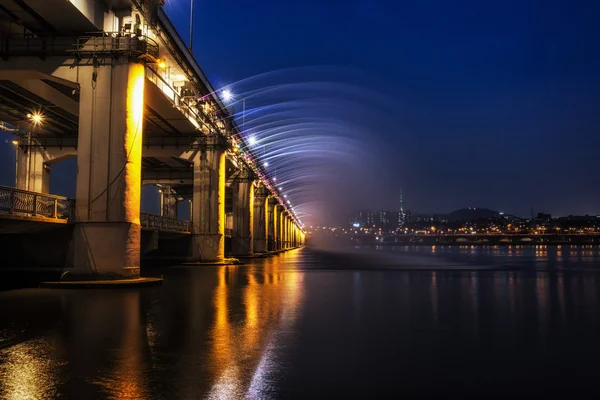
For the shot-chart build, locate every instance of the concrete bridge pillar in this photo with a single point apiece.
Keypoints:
(279, 227)
(294, 234)
(208, 214)
(31, 169)
(242, 242)
(281, 230)
(261, 219)
(272, 224)
(285, 231)
(109, 162)
(168, 202)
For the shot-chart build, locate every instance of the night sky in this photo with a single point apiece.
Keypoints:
(460, 103)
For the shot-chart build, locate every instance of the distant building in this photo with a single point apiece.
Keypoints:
(362, 219)
(384, 220)
(541, 217)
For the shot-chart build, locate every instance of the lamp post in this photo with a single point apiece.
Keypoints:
(191, 24)
(16, 145)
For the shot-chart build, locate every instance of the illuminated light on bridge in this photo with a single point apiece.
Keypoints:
(36, 118)
(227, 95)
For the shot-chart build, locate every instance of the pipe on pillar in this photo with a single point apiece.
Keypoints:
(242, 242)
(109, 163)
(261, 219)
(208, 199)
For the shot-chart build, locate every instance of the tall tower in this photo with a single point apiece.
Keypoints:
(401, 216)
(401, 203)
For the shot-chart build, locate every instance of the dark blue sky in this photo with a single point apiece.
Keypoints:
(485, 103)
(496, 102)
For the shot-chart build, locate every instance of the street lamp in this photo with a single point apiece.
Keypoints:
(228, 96)
(36, 118)
(16, 144)
(191, 24)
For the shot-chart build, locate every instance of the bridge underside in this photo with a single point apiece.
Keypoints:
(131, 103)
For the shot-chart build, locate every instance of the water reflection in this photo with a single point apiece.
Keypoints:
(27, 372)
(245, 333)
(303, 324)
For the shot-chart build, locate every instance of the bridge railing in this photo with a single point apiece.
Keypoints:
(17, 201)
(117, 42)
(165, 224)
(181, 102)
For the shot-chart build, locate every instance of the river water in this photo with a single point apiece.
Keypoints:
(420, 321)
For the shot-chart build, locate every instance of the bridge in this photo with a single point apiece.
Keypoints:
(113, 84)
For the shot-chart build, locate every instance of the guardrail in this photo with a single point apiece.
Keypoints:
(117, 42)
(165, 224)
(17, 201)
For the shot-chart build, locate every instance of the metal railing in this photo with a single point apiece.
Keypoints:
(95, 44)
(184, 104)
(17, 201)
(117, 42)
(165, 224)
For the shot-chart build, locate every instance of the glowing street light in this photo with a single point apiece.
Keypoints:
(227, 95)
(251, 140)
(36, 118)
(266, 164)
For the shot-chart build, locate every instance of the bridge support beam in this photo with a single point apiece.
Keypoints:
(208, 213)
(242, 241)
(31, 169)
(261, 219)
(290, 233)
(168, 202)
(272, 223)
(109, 161)
(285, 231)
(279, 233)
